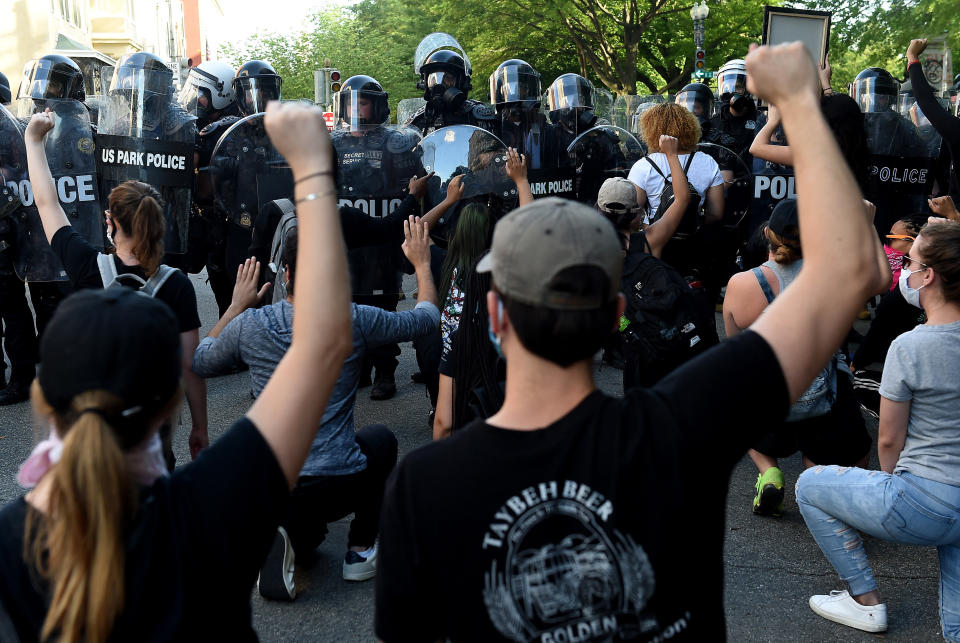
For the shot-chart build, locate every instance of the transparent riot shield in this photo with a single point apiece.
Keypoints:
(374, 171)
(408, 108)
(475, 153)
(71, 156)
(526, 128)
(433, 42)
(901, 168)
(601, 153)
(247, 171)
(603, 104)
(144, 135)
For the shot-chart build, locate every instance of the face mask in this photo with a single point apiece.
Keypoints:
(912, 295)
(493, 338)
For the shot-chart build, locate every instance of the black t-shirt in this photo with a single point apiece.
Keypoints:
(606, 525)
(193, 550)
(79, 259)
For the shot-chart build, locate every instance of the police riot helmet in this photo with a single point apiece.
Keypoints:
(361, 103)
(732, 81)
(570, 100)
(208, 89)
(256, 84)
(875, 90)
(444, 75)
(142, 71)
(52, 76)
(4, 90)
(698, 99)
(514, 81)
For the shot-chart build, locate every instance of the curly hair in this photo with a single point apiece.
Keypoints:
(673, 120)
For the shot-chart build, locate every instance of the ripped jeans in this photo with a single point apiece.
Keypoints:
(837, 501)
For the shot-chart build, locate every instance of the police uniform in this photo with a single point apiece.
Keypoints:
(472, 112)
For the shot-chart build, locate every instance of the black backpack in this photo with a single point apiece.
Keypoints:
(667, 321)
(691, 218)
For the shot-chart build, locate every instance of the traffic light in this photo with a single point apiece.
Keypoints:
(334, 75)
(700, 63)
(326, 82)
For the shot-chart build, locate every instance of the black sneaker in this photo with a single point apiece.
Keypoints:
(276, 575)
(384, 387)
(14, 394)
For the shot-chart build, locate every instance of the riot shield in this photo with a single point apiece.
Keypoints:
(601, 153)
(146, 136)
(473, 152)
(408, 108)
(738, 189)
(247, 171)
(71, 156)
(627, 110)
(603, 103)
(901, 168)
(433, 42)
(374, 169)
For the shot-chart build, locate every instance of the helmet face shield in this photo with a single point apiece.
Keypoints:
(514, 85)
(444, 79)
(360, 110)
(731, 82)
(197, 100)
(570, 90)
(254, 92)
(875, 94)
(696, 103)
(43, 80)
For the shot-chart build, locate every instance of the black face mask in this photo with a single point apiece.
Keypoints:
(447, 98)
(741, 103)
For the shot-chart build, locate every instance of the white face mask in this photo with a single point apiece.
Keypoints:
(912, 295)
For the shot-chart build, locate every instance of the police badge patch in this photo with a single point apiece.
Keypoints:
(85, 145)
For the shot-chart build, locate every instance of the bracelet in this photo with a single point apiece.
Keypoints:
(310, 176)
(313, 196)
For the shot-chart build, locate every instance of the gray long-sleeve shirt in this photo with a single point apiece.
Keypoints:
(260, 337)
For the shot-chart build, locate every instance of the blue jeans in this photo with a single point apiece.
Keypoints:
(837, 501)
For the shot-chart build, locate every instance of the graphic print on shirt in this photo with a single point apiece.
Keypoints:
(561, 573)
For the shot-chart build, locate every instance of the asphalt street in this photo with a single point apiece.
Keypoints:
(772, 565)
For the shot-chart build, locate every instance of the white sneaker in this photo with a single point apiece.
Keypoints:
(359, 568)
(276, 576)
(840, 607)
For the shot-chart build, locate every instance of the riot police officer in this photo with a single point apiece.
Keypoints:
(570, 105)
(445, 81)
(208, 92)
(515, 94)
(737, 115)
(255, 84)
(374, 165)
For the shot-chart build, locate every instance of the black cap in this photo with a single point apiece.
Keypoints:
(116, 340)
(784, 222)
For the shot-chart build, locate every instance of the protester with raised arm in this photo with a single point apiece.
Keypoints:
(107, 547)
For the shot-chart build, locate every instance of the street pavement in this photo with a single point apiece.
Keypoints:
(772, 565)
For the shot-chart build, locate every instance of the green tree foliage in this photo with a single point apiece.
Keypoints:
(875, 33)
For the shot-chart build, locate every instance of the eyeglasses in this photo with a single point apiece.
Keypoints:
(906, 260)
(905, 237)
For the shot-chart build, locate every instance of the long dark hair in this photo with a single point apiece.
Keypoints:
(847, 124)
(479, 370)
(470, 239)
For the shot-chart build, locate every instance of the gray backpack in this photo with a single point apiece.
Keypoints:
(112, 279)
(288, 221)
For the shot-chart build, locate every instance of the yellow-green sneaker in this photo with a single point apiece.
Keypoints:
(769, 498)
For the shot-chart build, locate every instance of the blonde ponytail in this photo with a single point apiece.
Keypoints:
(78, 546)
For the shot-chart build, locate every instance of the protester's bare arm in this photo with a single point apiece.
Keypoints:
(454, 192)
(196, 390)
(641, 198)
(517, 170)
(883, 264)
(742, 303)
(416, 248)
(825, 72)
(892, 432)
(715, 202)
(761, 147)
(944, 206)
(45, 198)
(659, 232)
(289, 409)
(443, 418)
(809, 320)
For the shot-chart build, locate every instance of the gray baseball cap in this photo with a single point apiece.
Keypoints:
(617, 195)
(534, 243)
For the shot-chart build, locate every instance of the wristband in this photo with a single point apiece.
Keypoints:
(313, 196)
(310, 176)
